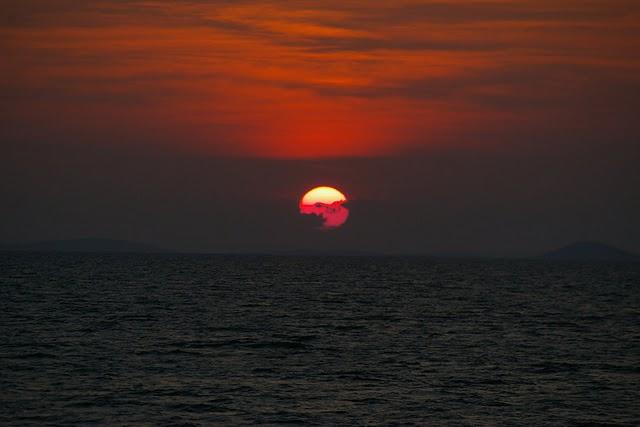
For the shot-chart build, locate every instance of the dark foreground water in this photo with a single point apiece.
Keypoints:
(210, 340)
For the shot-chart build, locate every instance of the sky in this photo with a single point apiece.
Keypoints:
(484, 127)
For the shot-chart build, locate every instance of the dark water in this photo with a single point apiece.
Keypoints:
(208, 340)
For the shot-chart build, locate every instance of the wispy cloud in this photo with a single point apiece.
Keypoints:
(314, 78)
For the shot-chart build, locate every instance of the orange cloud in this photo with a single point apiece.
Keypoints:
(305, 79)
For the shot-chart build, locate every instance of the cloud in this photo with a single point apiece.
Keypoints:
(313, 78)
(333, 215)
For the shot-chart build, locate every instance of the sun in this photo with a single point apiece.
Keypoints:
(327, 203)
(325, 195)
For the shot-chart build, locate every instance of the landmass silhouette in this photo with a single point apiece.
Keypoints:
(589, 250)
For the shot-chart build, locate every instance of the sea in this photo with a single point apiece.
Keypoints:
(201, 340)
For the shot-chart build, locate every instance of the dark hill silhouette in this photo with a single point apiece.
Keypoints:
(86, 245)
(590, 251)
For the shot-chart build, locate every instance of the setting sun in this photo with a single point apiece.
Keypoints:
(325, 202)
(326, 195)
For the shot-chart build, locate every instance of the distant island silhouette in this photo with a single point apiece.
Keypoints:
(582, 251)
(589, 250)
(86, 245)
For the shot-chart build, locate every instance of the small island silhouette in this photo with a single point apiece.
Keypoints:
(86, 245)
(590, 250)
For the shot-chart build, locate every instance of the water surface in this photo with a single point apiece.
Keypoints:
(206, 340)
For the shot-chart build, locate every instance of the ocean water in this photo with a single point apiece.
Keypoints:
(216, 340)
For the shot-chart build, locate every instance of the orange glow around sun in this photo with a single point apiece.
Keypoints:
(325, 202)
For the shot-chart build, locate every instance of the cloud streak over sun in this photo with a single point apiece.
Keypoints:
(308, 79)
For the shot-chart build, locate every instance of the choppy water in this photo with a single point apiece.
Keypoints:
(209, 340)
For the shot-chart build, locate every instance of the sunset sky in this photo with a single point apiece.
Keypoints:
(492, 127)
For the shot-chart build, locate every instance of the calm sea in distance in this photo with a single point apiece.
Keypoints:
(187, 340)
